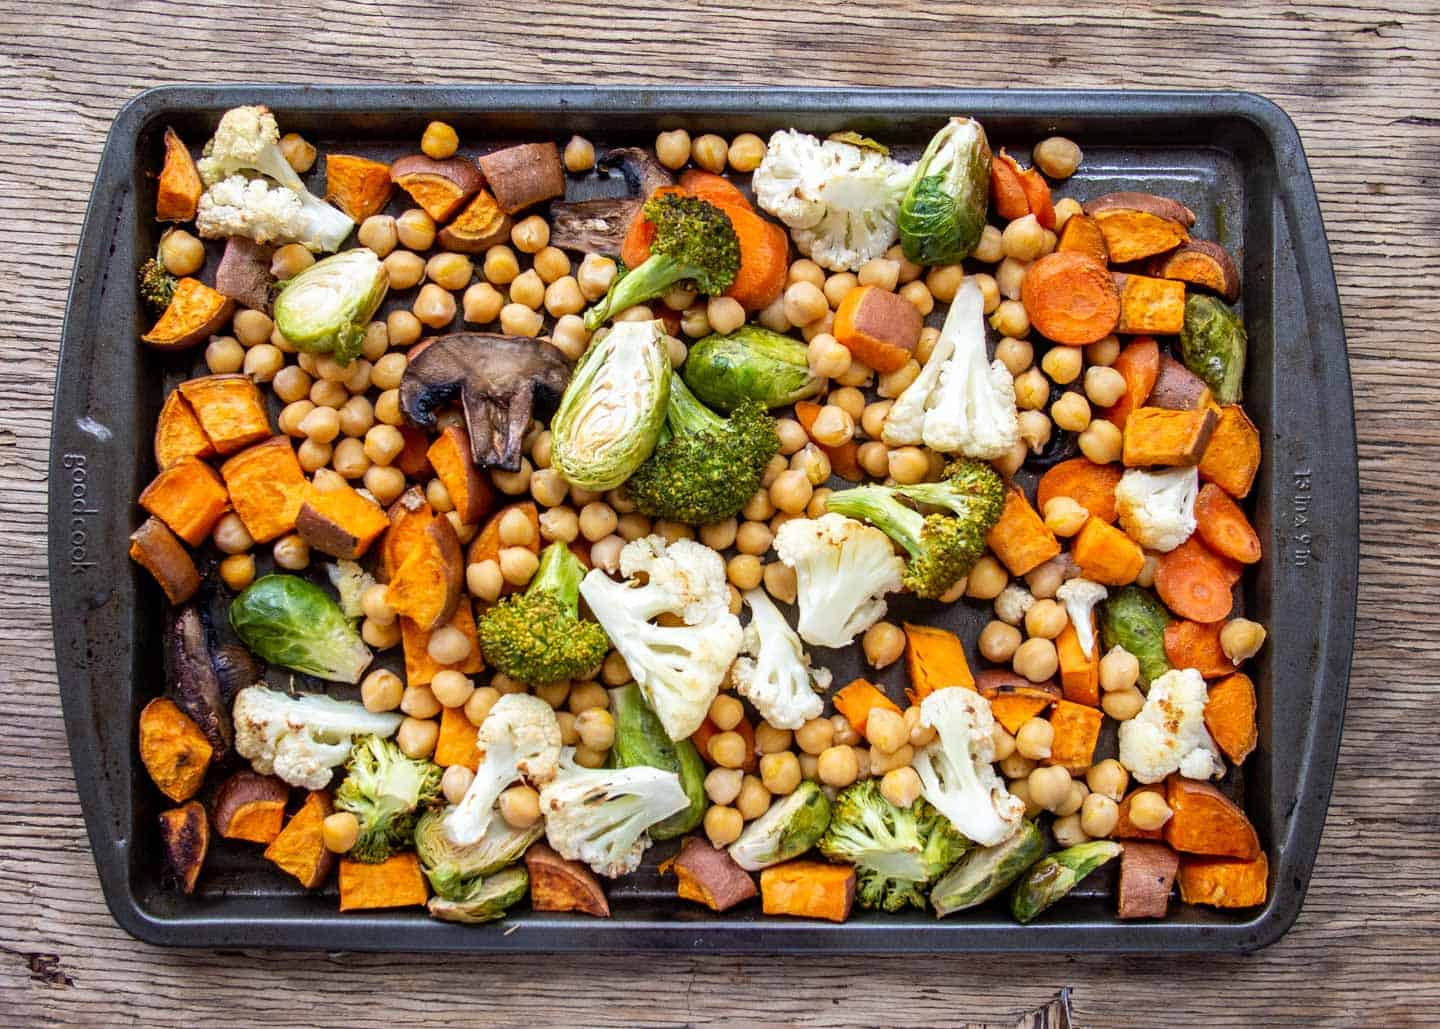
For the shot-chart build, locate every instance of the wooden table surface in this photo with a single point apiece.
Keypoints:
(1362, 80)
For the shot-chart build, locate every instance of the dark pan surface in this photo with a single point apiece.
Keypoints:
(1234, 158)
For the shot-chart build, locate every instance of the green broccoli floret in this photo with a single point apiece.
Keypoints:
(709, 467)
(969, 488)
(897, 852)
(943, 548)
(694, 240)
(157, 286)
(386, 791)
(537, 636)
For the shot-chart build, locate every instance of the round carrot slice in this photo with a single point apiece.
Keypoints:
(1071, 298)
(1195, 583)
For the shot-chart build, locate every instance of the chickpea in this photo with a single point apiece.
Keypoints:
(724, 315)
(1103, 352)
(1148, 810)
(723, 825)
(1011, 461)
(874, 459)
(379, 233)
(519, 806)
(908, 465)
(416, 737)
(1098, 815)
(1017, 355)
(1010, 319)
(1065, 210)
(1063, 364)
(1057, 157)
(695, 321)
(515, 529)
(791, 491)
(289, 260)
(747, 150)
(1104, 386)
(892, 384)
(313, 456)
(726, 712)
(815, 736)
(455, 783)
(925, 345)
(883, 644)
(1071, 412)
(597, 520)
(1023, 239)
(1101, 442)
(1107, 778)
(1032, 392)
(839, 766)
(845, 733)
(918, 295)
(999, 641)
(438, 496)
(1034, 739)
(1046, 579)
(480, 703)
(886, 730)
(1020, 789)
(1016, 766)
(1036, 659)
(448, 645)
(744, 571)
(262, 363)
(813, 461)
(340, 831)
(883, 761)
(300, 156)
(419, 702)
(987, 578)
(673, 148)
(727, 749)
(880, 273)
(1067, 831)
(770, 740)
(1119, 670)
(596, 727)
(291, 384)
(1146, 578)
(758, 508)
(553, 693)
(605, 554)
(548, 487)
(500, 266)
(356, 416)
(291, 553)
(1035, 430)
(403, 328)
(780, 773)
(595, 275)
(1064, 517)
(989, 292)
(944, 281)
(827, 357)
(1049, 785)
(804, 303)
(1010, 277)
(237, 571)
(224, 355)
(1123, 705)
(570, 336)
(588, 696)
(579, 156)
(858, 374)
(415, 230)
(348, 458)
(518, 564)
(559, 524)
(562, 297)
(530, 235)
(1241, 639)
(1003, 742)
(1046, 619)
(991, 247)
(521, 320)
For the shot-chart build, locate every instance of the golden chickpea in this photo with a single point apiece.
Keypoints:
(1067, 831)
(791, 491)
(451, 688)
(528, 289)
(1036, 659)
(884, 644)
(1065, 210)
(380, 233)
(291, 553)
(439, 141)
(1034, 739)
(570, 336)
(858, 374)
(595, 275)
(1057, 157)
(744, 571)
(519, 806)
(722, 785)
(999, 641)
(438, 496)
(839, 766)
(836, 286)
(450, 271)
(252, 328)
(1241, 639)
(1123, 705)
(415, 229)
(1046, 579)
(552, 265)
(1011, 461)
(288, 261)
(989, 292)
(530, 235)
(872, 417)
(780, 773)
(918, 295)
(892, 384)
(901, 786)
(518, 564)
(880, 273)
(1071, 412)
(356, 416)
(1046, 619)
(340, 831)
(1003, 742)
(709, 152)
(883, 761)
(563, 297)
(727, 749)
(500, 266)
(224, 356)
(909, 270)
(724, 314)
(908, 465)
(1010, 277)
(348, 458)
(596, 727)
(416, 737)
(886, 730)
(262, 363)
(559, 524)
(579, 155)
(597, 520)
(1107, 778)
(804, 302)
(1016, 766)
(987, 578)
(726, 712)
(815, 736)
(1064, 517)
(1032, 391)
(827, 357)
(845, 733)
(375, 603)
(943, 281)
(1049, 786)
(1149, 811)
(1119, 670)
(1063, 364)
(585, 696)
(521, 320)
(1020, 789)
(770, 740)
(381, 691)
(448, 645)
(237, 571)
(1098, 815)
(1023, 239)
(874, 459)
(1103, 352)
(455, 783)
(723, 825)
(1010, 319)
(1104, 386)
(515, 530)
(313, 456)
(553, 693)
(419, 702)
(813, 461)
(1102, 442)
(925, 346)
(991, 248)
(292, 384)
(549, 487)
(747, 150)
(695, 321)
(605, 554)
(673, 148)
(403, 328)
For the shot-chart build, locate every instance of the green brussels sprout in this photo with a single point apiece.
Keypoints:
(640, 739)
(1051, 878)
(291, 622)
(944, 209)
(610, 417)
(453, 868)
(1134, 619)
(788, 829)
(1213, 344)
(485, 900)
(751, 363)
(325, 309)
(985, 871)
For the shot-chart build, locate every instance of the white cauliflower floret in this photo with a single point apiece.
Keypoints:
(1157, 509)
(840, 201)
(1080, 597)
(1169, 735)
(301, 738)
(960, 402)
(600, 815)
(956, 771)
(679, 668)
(776, 676)
(843, 569)
(521, 739)
(1012, 603)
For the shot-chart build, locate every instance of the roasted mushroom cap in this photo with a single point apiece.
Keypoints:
(502, 382)
(643, 172)
(191, 679)
(599, 226)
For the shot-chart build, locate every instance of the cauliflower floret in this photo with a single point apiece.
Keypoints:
(1168, 735)
(521, 739)
(301, 738)
(843, 569)
(776, 676)
(840, 201)
(600, 815)
(956, 773)
(1157, 509)
(1012, 603)
(679, 668)
(1080, 597)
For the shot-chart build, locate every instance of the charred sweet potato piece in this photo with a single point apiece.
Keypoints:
(1128, 830)
(178, 434)
(1207, 822)
(1150, 305)
(1077, 730)
(1147, 874)
(420, 667)
(425, 584)
(267, 488)
(397, 882)
(808, 889)
(178, 196)
(230, 410)
(1224, 882)
(525, 175)
(340, 522)
(1200, 263)
(249, 806)
(560, 885)
(935, 658)
(195, 313)
(1232, 457)
(1020, 538)
(478, 227)
(1106, 555)
(173, 749)
(1082, 235)
(300, 847)
(244, 276)
(879, 327)
(451, 457)
(708, 876)
(439, 187)
(185, 833)
(1159, 436)
(1177, 388)
(156, 549)
(1137, 225)
(1014, 700)
(188, 497)
(1230, 716)
(357, 185)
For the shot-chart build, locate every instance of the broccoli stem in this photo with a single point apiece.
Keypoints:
(651, 278)
(878, 506)
(559, 574)
(687, 415)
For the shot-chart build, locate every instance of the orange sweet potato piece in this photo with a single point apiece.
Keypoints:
(409, 516)
(412, 459)
(425, 585)
(155, 548)
(1077, 731)
(524, 175)
(185, 833)
(1150, 305)
(479, 226)
(1232, 457)
(249, 806)
(1195, 582)
(701, 738)
(808, 889)
(195, 313)
(1205, 821)
(1020, 538)
(1090, 485)
(936, 659)
(1224, 882)
(178, 196)
(858, 699)
(708, 876)
(340, 522)
(357, 185)
(486, 544)
(397, 882)
(844, 459)
(420, 667)
(267, 488)
(173, 749)
(1159, 436)
(1079, 675)
(1230, 716)
(300, 847)
(1224, 527)
(1138, 225)
(879, 328)
(453, 462)
(1200, 263)
(188, 497)
(560, 885)
(1178, 388)
(1197, 645)
(178, 434)
(1147, 874)
(1128, 830)
(1014, 700)
(230, 410)
(1139, 363)
(1106, 555)
(440, 187)
(456, 743)
(1070, 298)
(1082, 235)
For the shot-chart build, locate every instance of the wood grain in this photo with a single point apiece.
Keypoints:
(1362, 80)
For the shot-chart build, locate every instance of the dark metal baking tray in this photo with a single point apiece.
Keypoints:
(1234, 158)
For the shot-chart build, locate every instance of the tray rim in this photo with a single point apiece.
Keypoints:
(542, 933)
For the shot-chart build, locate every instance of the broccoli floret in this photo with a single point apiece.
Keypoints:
(694, 240)
(157, 285)
(942, 548)
(386, 791)
(897, 852)
(710, 467)
(537, 636)
(970, 488)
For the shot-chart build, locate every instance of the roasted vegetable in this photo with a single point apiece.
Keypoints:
(439, 186)
(427, 582)
(614, 408)
(173, 749)
(523, 175)
(156, 549)
(178, 434)
(293, 623)
(774, 672)
(191, 679)
(267, 487)
(942, 547)
(341, 522)
(244, 276)
(520, 737)
(956, 770)
(1160, 436)
(251, 807)
(1149, 305)
(808, 889)
(1138, 225)
(843, 570)
(1132, 618)
(709, 877)
(935, 659)
(325, 309)
(396, 883)
(157, 286)
(640, 739)
(1200, 263)
(230, 410)
(557, 884)
(178, 192)
(185, 834)
(601, 815)
(944, 209)
(1071, 298)
(300, 848)
(750, 364)
(1147, 873)
(1205, 821)
(385, 791)
(1052, 877)
(192, 315)
(1213, 345)
(538, 636)
(301, 738)
(985, 872)
(485, 900)
(788, 828)
(357, 185)
(1224, 882)
(453, 868)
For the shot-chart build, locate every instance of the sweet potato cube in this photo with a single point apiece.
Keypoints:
(397, 882)
(178, 434)
(156, 549)
(340, 522)
(1147, 874)
(185, 833)
(173, 749)
(1157, 436)
(1178, 388)
(524, 175)
(267, 488)
(425, 585)
(1224, 882)
(1079, 675)
(1230, 716)
(557, 884)
(456, 743)
(709, 876)
(1207, 822)
(879, 327)
(1197, 645)
(454, 463)
(858, 699)
(1077, 730)
(1106, 555)
(420, 667)
(249, 806)
(808, 889)
(1150, 305)
(1128, 830)
(178, 196)
(300, 847)
(936, 659)
(195, 313)
(1232, 457)
(1131, 234)
(1020, 538)
(230, 410)
(188, 497)
(357, 185)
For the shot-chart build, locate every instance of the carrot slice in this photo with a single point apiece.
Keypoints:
(1071, 298)
(1090, 485)
(717, 189)
(1224, 527)
(1195, 582)
(641, 233)
(1139, 365)
(1007, 188)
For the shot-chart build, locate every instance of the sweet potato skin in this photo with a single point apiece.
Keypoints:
(173, 749)
(340, 522)
(156, 549)
(1205, 821)
(1020, 539)
(808, 889)
(560, 885)
(1147, 874)
(249, 806)
(230, 410)
(1224, 882)
(708, 876)
(1177, 388)
(1014, 700)
(1199, 263)
(880, 328)
(525, 175)
(177, 197)
(267, 488)
(397, 882)
(479, 226)
(440, 187)
(185, 834)
(188, 497)
(300, 847)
